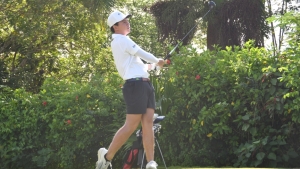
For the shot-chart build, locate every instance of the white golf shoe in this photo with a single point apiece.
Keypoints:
(151, 165)
(102, 163)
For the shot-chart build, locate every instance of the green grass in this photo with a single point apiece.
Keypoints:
(214, 168)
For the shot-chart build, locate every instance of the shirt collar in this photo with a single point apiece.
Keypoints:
(116, 35)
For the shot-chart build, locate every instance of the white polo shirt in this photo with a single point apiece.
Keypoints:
(128, 64)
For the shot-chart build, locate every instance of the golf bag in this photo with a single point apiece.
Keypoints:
(134, 156)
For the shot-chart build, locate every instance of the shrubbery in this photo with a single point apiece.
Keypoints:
(224, 108)
(235, 107)
(61, 127)
(232, 108)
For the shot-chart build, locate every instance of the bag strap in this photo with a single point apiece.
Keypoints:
(132, 156)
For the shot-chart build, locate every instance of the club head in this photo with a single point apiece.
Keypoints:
(211, 4)
(159, 119)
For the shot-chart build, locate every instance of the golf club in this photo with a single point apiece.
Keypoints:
(211, 5)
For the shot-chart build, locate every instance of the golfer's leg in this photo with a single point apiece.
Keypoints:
(148, 134)
(131, 123)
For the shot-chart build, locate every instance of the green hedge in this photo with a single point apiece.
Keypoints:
(224, 108)
(61, 127)
(232, 108)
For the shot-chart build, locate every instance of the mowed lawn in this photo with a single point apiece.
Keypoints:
(214, 168)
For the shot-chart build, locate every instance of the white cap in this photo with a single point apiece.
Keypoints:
(115, 17)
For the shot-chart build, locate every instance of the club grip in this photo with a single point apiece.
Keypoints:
(168, 56)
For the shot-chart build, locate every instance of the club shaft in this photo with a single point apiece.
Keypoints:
(169, 54)
(162, 157)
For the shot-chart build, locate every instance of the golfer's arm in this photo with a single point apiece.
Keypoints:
(146, 56)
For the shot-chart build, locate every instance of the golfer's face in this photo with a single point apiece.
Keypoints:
(124, 26)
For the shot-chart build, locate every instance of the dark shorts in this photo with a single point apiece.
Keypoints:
(138, 96)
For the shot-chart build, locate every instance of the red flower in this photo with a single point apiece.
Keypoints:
(168, 61)
(76, 97)
(44, 103)
(197, 77)
(69, 122)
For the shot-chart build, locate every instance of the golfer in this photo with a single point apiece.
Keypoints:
(138, 92)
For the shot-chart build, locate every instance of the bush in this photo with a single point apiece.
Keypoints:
(232, 108)
(61, 127)
(227, 108)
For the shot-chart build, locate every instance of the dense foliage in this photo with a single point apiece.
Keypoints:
(227, 24)
(234, 107)
(61, 100)
(237, 108)
(61, 127)
(40, 38)
(175, 18)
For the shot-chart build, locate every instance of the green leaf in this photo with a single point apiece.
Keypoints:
(260, 155)
(246, 117)
(265, 141)
(293, 154)
(248, 155)
(256, 142)
(253, 131)
(273, 143)
(272, 156)
(281, 142)
(274, 81)
(272, 90)
(278, 106)
(245, 127)
(285, 158)
(271, 19)
(257, 162)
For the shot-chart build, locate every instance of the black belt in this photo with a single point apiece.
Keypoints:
(138, 79)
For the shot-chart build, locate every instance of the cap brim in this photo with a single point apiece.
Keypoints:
(128, 16)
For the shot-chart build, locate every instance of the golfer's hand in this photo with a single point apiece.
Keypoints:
(160, 63)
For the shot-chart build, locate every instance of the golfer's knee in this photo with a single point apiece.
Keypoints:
(129, 129)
